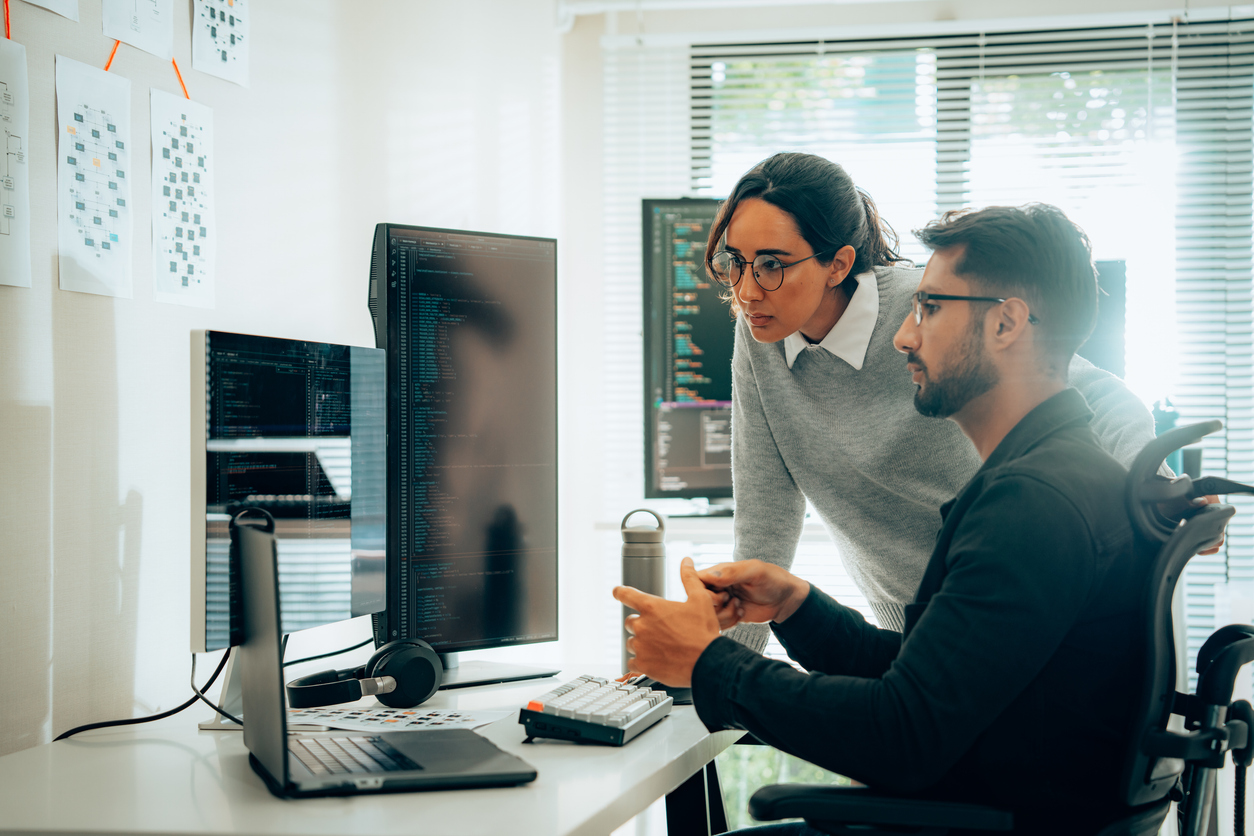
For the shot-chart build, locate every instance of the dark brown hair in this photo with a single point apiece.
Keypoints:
(829, 210)
(1033, 252)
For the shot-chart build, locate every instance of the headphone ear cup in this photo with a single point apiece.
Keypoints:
(414, 665)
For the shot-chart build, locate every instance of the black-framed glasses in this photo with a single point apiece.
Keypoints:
(728, 268)
(923, 297)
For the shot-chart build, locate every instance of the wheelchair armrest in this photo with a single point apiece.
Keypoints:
(863, 805)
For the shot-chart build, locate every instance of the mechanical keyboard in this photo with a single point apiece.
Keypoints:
(594, 710)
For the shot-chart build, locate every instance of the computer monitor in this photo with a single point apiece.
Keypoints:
(688, 338)
(298, 429)
(469, 322)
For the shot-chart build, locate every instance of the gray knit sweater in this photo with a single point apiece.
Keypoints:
(852, 442)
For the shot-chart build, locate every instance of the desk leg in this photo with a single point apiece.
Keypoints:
(696, 805)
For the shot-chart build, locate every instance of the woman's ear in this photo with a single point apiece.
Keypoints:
(841, 264)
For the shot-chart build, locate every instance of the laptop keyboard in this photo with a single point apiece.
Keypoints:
(336, 755)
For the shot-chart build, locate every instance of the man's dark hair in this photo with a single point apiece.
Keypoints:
(1033, 252)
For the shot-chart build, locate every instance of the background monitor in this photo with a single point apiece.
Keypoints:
(469, 321)
(298, 429)
(688, 339)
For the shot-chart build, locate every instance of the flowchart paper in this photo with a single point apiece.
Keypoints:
(145, 24)
(183, 230)
(65, 8)
(220, 39)
(94, 221)
(14, 167)
(393, 719)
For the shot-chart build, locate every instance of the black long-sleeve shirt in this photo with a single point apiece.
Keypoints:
(1012, 681)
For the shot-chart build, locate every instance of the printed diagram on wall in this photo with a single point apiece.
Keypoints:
(183, 231)
(14, 167)
(145, 24)
(65, 8)
(220, 39)
(94, 219)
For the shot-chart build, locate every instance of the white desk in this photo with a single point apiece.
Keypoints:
(168, 777)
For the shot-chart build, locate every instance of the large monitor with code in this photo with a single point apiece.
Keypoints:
(295, 428)
(469, 322)
(688, 339)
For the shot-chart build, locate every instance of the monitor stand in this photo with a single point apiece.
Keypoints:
(231, 699)
(459, 674)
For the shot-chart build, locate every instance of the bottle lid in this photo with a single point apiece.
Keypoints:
(643, 534)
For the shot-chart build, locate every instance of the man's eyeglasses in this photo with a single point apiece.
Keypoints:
(727, 269)
(922, 298)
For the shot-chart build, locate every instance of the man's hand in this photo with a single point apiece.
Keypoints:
(760, 592)
(667, 637)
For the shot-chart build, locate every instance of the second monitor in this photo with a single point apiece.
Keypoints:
(469, 321)
(688, 338)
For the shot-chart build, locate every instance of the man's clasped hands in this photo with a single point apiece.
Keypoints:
(667, 637)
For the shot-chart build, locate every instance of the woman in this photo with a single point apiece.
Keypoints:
(822, 402)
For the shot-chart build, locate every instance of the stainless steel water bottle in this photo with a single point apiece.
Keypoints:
(644, 562)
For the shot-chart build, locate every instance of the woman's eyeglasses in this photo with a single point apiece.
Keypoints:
(728, 268)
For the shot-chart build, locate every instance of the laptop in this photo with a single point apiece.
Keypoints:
(348, 764)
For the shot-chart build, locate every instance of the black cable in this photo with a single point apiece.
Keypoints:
(135, 720)
(201, 696)
(325, 655)
(1238, 814)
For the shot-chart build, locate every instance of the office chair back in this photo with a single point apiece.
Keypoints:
(1146, 777)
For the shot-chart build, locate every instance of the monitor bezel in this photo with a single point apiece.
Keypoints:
(199, 499)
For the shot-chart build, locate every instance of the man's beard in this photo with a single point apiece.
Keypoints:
(970, 377)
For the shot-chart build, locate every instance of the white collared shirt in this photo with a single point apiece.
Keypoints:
(851, 335)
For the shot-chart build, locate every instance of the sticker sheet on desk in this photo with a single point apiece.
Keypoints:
(184, 236)
(94, 158)
(14, 166)
(144, 24)
(65, 8)
(220, 39)
(394, 719)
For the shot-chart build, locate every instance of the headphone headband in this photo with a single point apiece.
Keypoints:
(401, 674)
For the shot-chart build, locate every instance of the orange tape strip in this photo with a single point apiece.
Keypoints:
(7, 32)
(109, 63)
(180, 75)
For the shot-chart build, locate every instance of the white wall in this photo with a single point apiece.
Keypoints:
(413, 112)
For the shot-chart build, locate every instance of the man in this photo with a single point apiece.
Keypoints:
(1010, 682)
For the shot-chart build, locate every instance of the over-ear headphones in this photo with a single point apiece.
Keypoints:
(401, 674)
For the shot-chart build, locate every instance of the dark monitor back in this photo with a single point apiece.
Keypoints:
(469, 321)
(688, 339)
